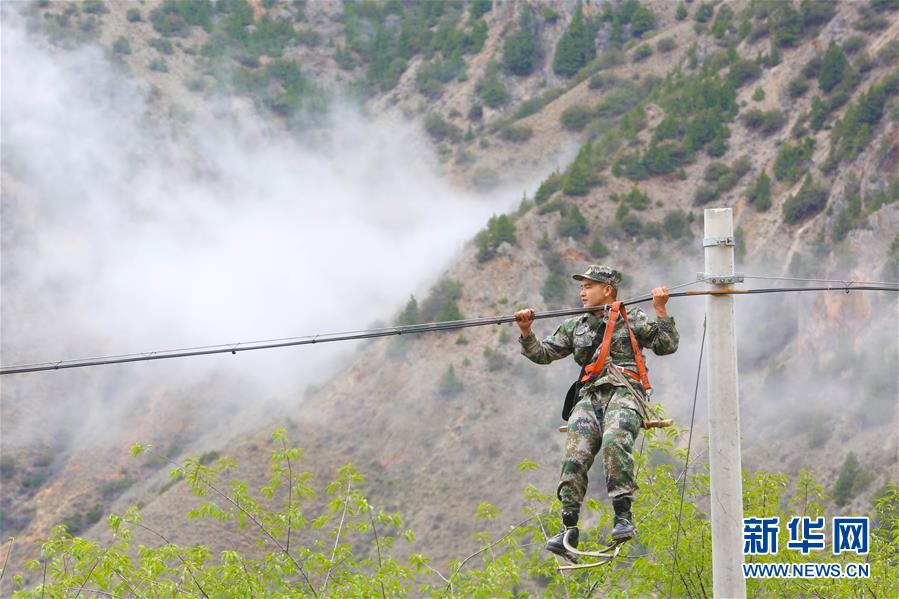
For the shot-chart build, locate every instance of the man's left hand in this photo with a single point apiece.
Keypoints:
(659, 299)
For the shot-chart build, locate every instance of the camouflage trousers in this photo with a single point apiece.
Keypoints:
(591, 428)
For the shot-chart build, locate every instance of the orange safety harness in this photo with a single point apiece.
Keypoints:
(592, 371)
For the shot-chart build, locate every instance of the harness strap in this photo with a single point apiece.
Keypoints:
(638, 355)
(593, 370)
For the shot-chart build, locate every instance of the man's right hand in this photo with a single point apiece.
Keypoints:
(525, 318)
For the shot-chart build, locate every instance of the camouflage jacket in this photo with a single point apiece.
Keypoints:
(577, 335)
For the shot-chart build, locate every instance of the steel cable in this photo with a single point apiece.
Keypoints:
(233, 348)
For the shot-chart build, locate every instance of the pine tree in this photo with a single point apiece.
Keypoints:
(843, 488)
(760, 193)
(833, 67)
(410, 314)
(642, 20)
(573, 225)
(520, 50)
(579, 174)
(575, 48)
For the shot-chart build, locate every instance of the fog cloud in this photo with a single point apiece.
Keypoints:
(124, 233)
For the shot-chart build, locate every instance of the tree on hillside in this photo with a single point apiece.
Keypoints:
(575, 48)
(520, 50)
(410, 314)
(642, 20)
(760, 193)
(833, 68)
(578, 177)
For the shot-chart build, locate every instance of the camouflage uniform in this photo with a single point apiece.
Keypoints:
(606, 415)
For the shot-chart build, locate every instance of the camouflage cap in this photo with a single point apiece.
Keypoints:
(600, 274)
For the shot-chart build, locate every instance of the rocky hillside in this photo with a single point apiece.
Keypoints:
(640, 114)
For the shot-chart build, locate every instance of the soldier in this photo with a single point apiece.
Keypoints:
(609, 407)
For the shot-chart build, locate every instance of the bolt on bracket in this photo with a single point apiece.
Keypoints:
(716, 241)
(720, 279)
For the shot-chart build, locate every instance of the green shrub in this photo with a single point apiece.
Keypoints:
(706, 193)
(555, 289)
(797, 87)
(870, 21)
(765, 121)
(515, 134)
(704, 13)
(7, 466)
(116, 487)
(439, 129)
(440, 305)
(450, 385)
(854, 132)
(433, 75)
(175, 17)
(491, 90)
(575, 118)
(271, 36)
(759, 194)
(549, 15)
(500, 229)
(676, 224)
(791, 158)
(485, 179)
(808, 201)
(641, 52)
(159, 64)
(94, 7)
(495, 360)
(619, 100)
(854, 43)
(631, 225)
(666, 45)
(133, 15)
(642, 20)
(598, 249)
(849, 217)
(478, 8)
(786, 25)
(162, 45)
(35, 478)
(574, 224)
(743, 71)
(121, 46)
(637, 200)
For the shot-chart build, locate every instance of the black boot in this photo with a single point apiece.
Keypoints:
(557, 545)
(624, 525)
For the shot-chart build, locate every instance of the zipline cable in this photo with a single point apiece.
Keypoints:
(844, 281)
(452, 325)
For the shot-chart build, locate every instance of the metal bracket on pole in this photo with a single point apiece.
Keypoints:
(716, 241)
(720, 279)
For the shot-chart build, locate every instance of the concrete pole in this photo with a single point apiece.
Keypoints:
(724, 410)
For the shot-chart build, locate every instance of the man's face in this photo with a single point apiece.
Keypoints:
(595, 294)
